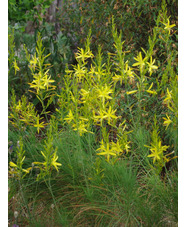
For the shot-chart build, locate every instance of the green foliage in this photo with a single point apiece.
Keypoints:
(135, 19)
(88, 190)
(98, 148)
(17, 9)
(23, 29)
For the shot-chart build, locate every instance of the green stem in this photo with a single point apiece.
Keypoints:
(50, 189)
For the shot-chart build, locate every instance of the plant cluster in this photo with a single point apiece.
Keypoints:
(23, 29)
(98, 143)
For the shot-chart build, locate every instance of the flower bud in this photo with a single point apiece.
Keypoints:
(16, 214)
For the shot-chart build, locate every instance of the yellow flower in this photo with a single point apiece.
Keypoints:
(150, 91)
(100, 117)
(116, 147)
(69, 117)
(168, 98)
(140, 61)
(33, 62)
(17, 169)
(83, 55)
(85, 95)
(157, 151)
(167, 121)
(100, 72)
(37, 84)
(54, 163)
(46, 80)
(127, 147)
(68, 71)
(92, 70)
(39, 125)
(16, 66)
(79, 72)
(12, 164)
(129, 71)
(110, 114)
(168, 26)
(131, 92)
(80, 127)
(151, 65)
(18, 107)
(106, 151)
(104, 92)
(117, 78)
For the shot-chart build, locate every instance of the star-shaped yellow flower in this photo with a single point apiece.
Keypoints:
(39, 125)
(110, 114)
(151, 65)
(168, 26)
(140, 61)
(70, 117)
(103, 93)
(46, 80)
(54, 163)
(157, 151)
(83, 55)
(167, 121)
(107, 151)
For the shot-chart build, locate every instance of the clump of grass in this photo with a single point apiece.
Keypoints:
(89, 190)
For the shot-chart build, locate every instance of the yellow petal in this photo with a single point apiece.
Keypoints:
(131, 92)
(12, 164)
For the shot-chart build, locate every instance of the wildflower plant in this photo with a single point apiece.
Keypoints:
(41, 85)
(16, 68)
(121, 65)
(140, 62)
(16, 168)
(97, 171)
(158, 150)
(168, 27)
(170, 118)
(22, 113)
(12, 64)
(106, 150)
(89, 94)
(49, 154)
(39, 125)
(100, 133)
(171, 101)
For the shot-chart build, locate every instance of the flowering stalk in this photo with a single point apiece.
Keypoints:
(16, 169)
(50, 157)
(41, 84)
(157, 150)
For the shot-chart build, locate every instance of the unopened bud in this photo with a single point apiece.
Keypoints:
(16, 214)
(10, 149)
